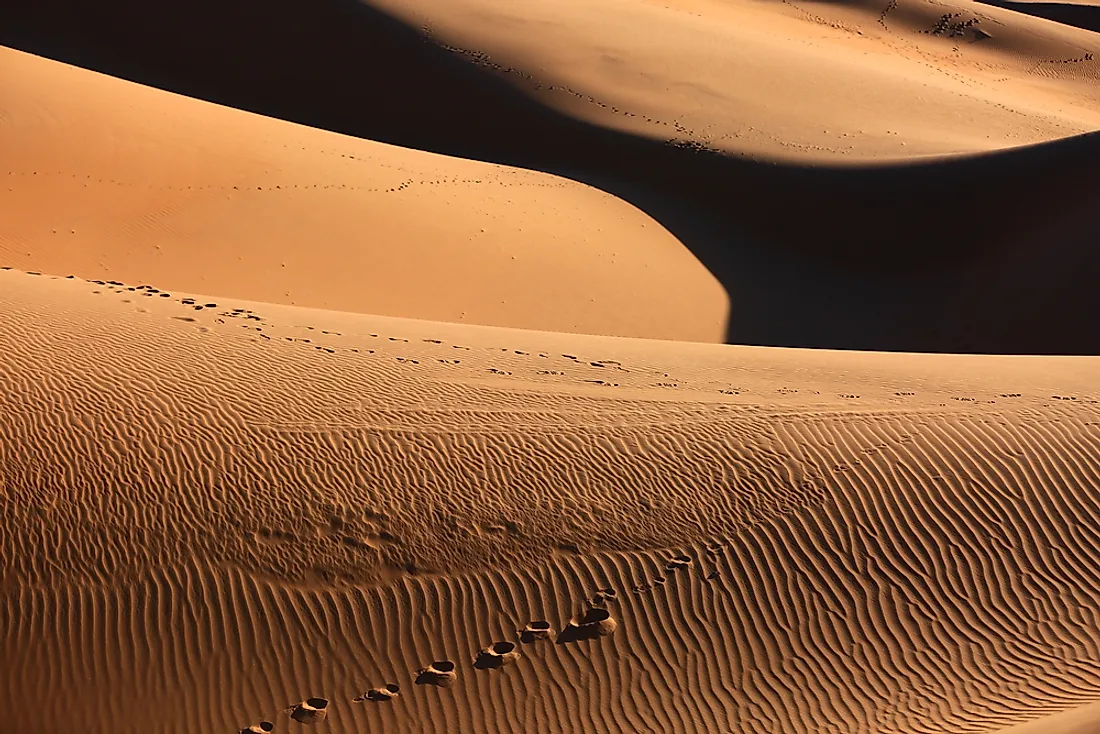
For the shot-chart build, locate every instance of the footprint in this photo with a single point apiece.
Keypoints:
(602, 596)
(535, 631)
(310, 711)
(496, 656)
(441, 673)
(677, 563)
(263, 726)
(591, 625)
(382, 694)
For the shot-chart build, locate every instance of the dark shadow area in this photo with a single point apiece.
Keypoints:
(990, 254)
(1081, 16)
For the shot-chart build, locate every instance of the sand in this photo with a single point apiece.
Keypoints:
(806, 159)
(362, 367)
(240, 507)
(161, 188)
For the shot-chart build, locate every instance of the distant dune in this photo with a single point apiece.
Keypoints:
(240, 507)
(811, 249)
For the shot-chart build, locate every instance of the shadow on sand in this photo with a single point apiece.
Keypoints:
(996, 253)
(1081, 16)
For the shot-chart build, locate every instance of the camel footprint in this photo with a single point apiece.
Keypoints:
(497, 655)
(382, 694)
(441, 673)
(309, 711)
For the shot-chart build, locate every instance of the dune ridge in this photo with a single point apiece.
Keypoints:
(105, 179)
(875, 542)
(827, 224)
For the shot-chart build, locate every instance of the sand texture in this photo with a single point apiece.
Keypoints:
(288, 503)
(550, 366)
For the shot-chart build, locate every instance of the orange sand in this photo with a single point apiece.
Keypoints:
(405, 465)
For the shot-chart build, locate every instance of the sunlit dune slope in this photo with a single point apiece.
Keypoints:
(799, 79)
(214, 513)
(796, 80)
(104, 178)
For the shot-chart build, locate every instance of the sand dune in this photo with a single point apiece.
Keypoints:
(322, 405)
(107, 179)
(273, 504)
(827, 223)
(802, 80)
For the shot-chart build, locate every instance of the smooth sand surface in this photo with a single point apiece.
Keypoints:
(323, 407)
(792, 80)
(243, 506)
(103, 178)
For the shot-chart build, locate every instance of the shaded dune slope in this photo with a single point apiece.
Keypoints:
(1080, 15)
(235, 508)
(995, 250)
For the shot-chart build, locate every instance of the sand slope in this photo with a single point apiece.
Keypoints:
(798, 80)
(107, 179)
(785, 145)
(787, 80)
(241, 506)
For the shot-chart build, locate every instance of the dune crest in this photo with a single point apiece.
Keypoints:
(162, 189)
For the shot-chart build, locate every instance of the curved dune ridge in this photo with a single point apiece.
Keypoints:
(237, 508)
(161, 188)
(911, 175)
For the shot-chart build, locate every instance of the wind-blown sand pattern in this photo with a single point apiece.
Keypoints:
(384, 366)
(292, 503)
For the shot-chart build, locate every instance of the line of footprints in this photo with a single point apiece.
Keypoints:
(595, 622)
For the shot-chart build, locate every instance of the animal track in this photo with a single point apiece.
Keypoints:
(951, 28)
(678, 563)
(602, 597)
(309, 711)
(535, 631)
(382, 694)
(441, 673)
(594, 623)
(261, 728)
(497, 655)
